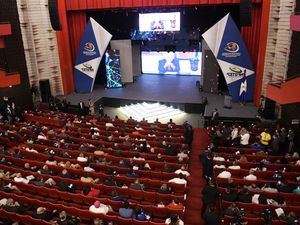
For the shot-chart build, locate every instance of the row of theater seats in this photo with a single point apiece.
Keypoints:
(84, 214)
(155, 165)
(151, 184)
(253, 212)
(76, 203)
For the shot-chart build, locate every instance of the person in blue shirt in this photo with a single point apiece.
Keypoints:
(126, 211)
(140, 214)
(116, 197)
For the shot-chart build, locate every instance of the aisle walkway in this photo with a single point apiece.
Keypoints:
(194, 202)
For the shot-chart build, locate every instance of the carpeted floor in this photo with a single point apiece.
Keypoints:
(195, 182)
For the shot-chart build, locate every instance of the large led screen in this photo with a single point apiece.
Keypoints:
(159, 21)
(180, 63)
(113, 71)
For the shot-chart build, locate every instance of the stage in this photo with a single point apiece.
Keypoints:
(179, 91)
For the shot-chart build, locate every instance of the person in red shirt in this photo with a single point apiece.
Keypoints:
(175, 205)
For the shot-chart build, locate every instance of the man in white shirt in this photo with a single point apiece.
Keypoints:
(245, 136)
(99, 208)
(182, 171)
(255, 199)
(234, 166)
(251, 176)
(88, 169)
(224, 174)
(219, 158)
(19, 179)
(41, 136)
(219, 165)
(178, 180)
(81, 158)
(234, 133)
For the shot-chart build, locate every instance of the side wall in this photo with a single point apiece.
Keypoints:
(40, 44)
(14, 54)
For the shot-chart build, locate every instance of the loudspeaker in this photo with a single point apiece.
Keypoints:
(245, 12)
(54, 16)
(45, 90)
(269, 109)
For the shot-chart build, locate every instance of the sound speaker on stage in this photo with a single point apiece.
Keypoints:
(227, 102)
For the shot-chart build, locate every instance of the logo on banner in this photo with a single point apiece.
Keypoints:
(232, 50)
(89, 49)
(236, 72)
(87, 68)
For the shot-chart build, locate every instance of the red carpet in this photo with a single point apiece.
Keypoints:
(195, 182)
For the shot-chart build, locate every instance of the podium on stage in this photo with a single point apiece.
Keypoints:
(227, 102)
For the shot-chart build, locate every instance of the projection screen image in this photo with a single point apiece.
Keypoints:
(113, 71)
(179, 63)
(159, 21)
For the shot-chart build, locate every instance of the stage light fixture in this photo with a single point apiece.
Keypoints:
(150, 111)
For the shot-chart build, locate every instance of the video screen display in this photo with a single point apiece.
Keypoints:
(113, 70)
(179, 63)
(159, 21)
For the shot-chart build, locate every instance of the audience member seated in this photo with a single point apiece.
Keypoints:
(137, 185)
(41, 213)
(174, 220)
(183, 171)
(251, 176)
(234, 166)
(164, 189)
(126, 211)
(140, 215)
(175, 205)
(229, 195)
(110, 182)
(99, 208)
(224, 174)
(244, 196)
(211, 216)
(269, 188)
(116, 197)
(232, 210)
(178, 180)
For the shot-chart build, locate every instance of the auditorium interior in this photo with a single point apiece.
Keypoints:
(147, 112)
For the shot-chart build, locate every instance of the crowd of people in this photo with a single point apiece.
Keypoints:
(251, 172)
(48, 157)
(9, 111)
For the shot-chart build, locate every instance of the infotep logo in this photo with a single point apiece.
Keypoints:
(236, 72)
(87, 67)
(232, 47)
(89, 47)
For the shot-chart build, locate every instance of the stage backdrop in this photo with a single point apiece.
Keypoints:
(92, 47)
(225, 41)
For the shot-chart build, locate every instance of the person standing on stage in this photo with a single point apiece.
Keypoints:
(215, 117)
(101, 109)
(91, 107)
(81, 108)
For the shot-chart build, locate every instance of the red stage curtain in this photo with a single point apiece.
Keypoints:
(251, 34)
(97, 4)
(77, 23)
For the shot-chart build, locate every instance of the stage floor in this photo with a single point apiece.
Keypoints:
(168, 89)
